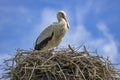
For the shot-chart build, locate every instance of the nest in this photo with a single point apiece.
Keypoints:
(62, 64)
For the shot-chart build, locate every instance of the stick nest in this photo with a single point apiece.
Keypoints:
(64, 64)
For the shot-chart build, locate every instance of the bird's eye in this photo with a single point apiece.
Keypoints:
(62, 14)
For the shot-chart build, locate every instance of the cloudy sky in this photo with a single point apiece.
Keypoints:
(95, 23)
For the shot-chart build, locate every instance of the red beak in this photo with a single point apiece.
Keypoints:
(67, 23)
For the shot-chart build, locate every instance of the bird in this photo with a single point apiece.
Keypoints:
(52, 35)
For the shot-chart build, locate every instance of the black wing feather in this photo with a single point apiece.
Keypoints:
(43, 43)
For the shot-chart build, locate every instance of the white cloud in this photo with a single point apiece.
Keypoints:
(110, 47)
(2, 58)
(103, 28)
(76, 36)
(47, 17)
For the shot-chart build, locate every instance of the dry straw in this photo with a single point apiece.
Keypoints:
(64, 64)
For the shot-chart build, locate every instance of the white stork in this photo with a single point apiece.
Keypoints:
(53, 34)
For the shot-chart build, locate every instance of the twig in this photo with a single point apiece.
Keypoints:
(62, 71)
(70, 48)
(79, 69)
(48, 60)
(32, 71)
(85, 50)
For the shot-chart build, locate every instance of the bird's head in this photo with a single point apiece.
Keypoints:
(62, 15)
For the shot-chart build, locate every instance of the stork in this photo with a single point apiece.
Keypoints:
(51, 36)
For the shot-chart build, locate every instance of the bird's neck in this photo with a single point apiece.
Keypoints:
(61, 20)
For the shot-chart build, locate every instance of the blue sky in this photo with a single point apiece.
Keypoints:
(92, 22)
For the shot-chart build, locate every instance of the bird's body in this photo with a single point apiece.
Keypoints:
(53, 34)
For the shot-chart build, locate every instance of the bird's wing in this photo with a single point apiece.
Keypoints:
(44, 37)
(47, 32)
